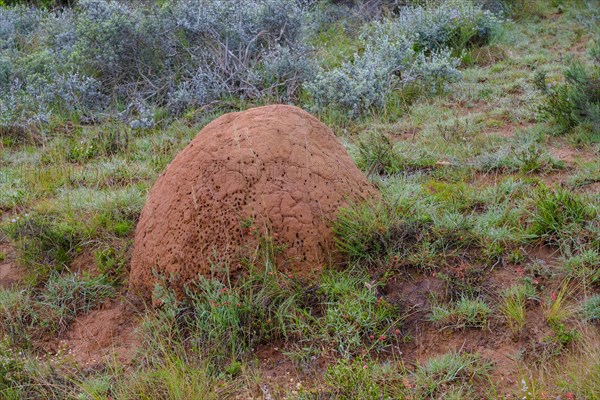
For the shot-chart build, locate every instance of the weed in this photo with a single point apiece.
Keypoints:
(11, 370)
(224, 321)
(17, 317)
(174, 378)
(449, 372)
(556, 213)
(564, 335)
(514, 302)
(465, 313)
(584, 267)
(559, 310)
(111, 263)
(591, 309)
(66, 296)
(575, 102)
(364, 379)
(363, 230)
(354, 315)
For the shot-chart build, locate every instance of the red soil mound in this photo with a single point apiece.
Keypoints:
(274, 169)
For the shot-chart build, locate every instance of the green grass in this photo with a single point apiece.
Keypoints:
(450, 375)
(464, 313)
(514, 303)
(366, 379)
(559, 214)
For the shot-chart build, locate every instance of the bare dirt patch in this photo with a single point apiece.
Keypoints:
(103, 335)
(10, 272)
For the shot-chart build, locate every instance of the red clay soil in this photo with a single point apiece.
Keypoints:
(103, 335)
(10, 273)
(273, 170)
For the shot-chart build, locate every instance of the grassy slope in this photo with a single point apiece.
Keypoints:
(438, 319)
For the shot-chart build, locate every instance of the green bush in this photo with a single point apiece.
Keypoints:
(574, 103)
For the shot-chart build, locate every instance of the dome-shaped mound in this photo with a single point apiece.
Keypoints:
(273, 168)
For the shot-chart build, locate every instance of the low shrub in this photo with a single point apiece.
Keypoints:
(390, 61)
(574, 103)
(108, 58)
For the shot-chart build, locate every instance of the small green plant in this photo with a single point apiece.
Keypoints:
(354, 315)
(17, 316)
(563, 335)
(465, 313)
(591, 309)
(67, 296)
(513, 305)
(363, 230)
(2, 256)
(448, 373)
(584, 267)
(175, 377)
(223, 321)
(365, 379)
(45, 240)
(556, 212)
(521, 9)
(559, 310)
(376, 154)
(11, 369)
(111, 262)
(574, 103)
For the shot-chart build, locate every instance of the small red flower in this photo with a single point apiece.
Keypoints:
(553, 296)
(382, 338)
(371, 337)
(569, 396)
(397, 331)
(290, 276)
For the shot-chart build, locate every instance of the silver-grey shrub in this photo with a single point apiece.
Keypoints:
(117, 58)
(421, 45)
(389, 62)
